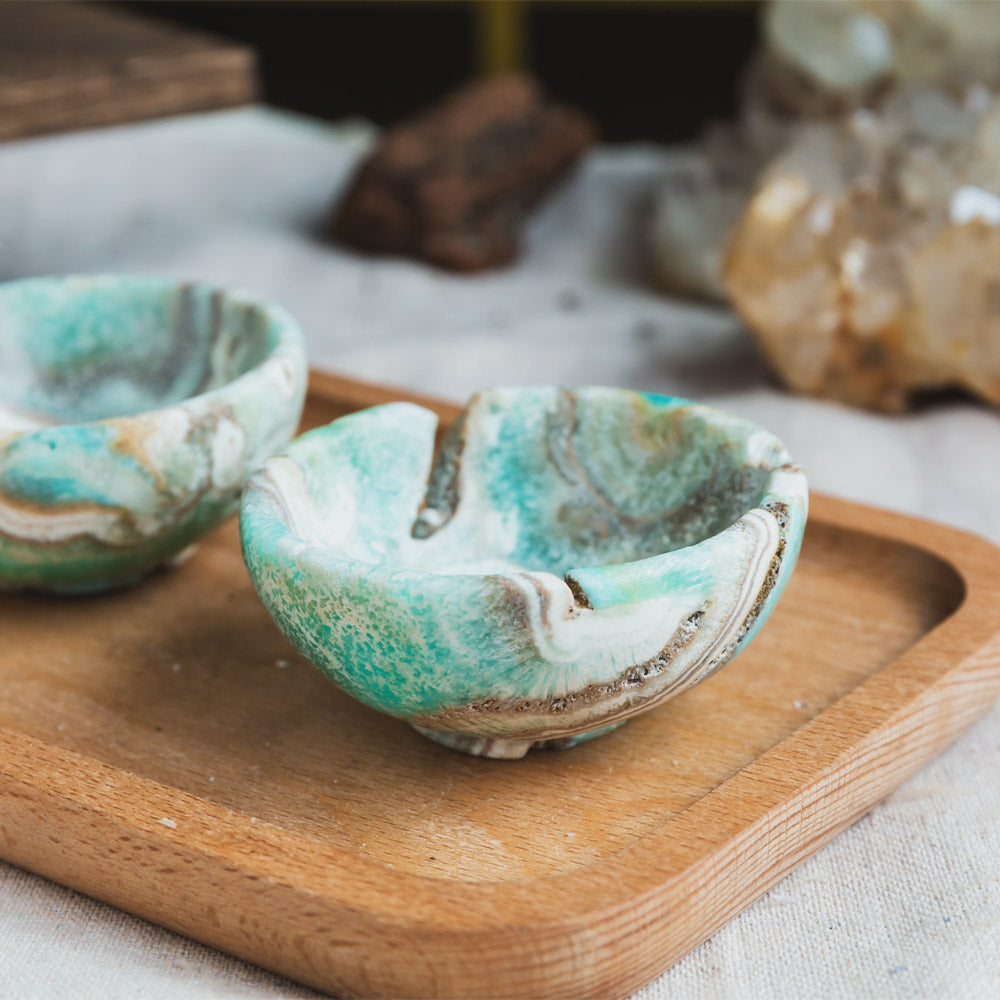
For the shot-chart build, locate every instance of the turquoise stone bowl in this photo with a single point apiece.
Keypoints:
(132, 411)
(565, 559)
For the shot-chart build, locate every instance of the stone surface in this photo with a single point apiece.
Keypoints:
(131, 414)
(566, 560)
(453, 185)
(866, 262)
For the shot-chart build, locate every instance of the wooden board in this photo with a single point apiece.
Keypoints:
(68, 66)
(163, 749)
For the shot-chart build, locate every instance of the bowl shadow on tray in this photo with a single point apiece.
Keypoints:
(186, 681)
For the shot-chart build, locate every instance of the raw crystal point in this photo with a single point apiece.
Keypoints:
(698, 201)
(830, 56)
(866, 263)
(693, 210)
(822, 57)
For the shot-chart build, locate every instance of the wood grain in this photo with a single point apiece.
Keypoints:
(313, 836)
(68, 66)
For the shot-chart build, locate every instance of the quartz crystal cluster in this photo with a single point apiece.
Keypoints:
(868, 261)
(852, 215)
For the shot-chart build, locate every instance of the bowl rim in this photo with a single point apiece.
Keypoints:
(289, 342)
(256, 512)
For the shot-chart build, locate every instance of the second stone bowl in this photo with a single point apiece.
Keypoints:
(132, 410)
(564, 560)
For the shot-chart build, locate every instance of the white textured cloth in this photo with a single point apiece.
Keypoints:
(906, 903)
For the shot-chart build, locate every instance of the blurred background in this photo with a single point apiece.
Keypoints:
(830, 168)
(652, 69)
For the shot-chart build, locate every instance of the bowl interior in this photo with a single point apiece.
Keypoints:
(536, 479)
(82, 349)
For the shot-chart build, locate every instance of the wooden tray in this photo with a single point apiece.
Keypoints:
(164, 750)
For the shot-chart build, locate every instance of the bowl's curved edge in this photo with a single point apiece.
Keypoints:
(735, 579)
(88, 506)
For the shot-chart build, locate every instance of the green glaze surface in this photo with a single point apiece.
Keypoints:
(132, 410)
(566, 559)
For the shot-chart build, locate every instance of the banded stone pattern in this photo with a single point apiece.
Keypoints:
(562, 561)
(132, 411)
